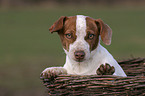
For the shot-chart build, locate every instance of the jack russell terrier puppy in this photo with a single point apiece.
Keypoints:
(80, 36)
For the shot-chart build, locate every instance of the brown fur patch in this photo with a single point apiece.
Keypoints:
(69, 28)
(105, 31)
(92, 29)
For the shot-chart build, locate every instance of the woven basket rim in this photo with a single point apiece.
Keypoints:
(102, 85)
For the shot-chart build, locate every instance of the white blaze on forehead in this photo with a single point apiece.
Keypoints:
(80, 42)
(81, 26)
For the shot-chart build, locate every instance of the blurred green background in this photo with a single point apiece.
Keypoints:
(27, 47)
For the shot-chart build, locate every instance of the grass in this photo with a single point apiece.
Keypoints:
(27, 47)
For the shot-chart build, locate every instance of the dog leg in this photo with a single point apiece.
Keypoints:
(105, 69)
(53, 72)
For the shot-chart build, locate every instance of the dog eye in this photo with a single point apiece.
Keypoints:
(91, 36)
(69, 36)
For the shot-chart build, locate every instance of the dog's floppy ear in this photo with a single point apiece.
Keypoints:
(58, 25)
(105, 31)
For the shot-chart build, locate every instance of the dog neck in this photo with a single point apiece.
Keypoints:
(85, 67)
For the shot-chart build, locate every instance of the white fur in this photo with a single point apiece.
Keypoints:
(98, 56)
(80, 43)
(92, 59)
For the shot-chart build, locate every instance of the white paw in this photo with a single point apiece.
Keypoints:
(53, 71)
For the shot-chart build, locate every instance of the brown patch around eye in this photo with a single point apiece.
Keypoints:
(92, 36)
(68, 34)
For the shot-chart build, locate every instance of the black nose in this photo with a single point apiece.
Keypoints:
(79, 55)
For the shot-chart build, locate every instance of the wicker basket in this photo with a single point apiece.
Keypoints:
(105, 85)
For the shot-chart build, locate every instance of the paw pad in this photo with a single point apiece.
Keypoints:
(105, 69)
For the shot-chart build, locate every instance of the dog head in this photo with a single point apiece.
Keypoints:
(80, 35)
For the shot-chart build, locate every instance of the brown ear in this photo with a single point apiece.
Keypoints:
(58, 25)
(105, 31)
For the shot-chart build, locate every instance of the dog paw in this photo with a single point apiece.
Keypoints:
(52, 72)
(105, 69)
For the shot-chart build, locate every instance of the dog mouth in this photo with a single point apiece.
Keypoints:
(79, 60)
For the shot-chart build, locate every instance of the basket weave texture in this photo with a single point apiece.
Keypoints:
(101, 85)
